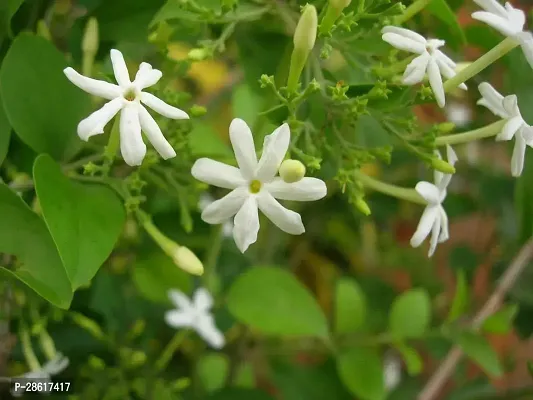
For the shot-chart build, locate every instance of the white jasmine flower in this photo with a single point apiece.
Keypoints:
(458, 113)
(430, 60)
(392, 372)
(507, 108)
(196, 315)
(509, 21)
(255, 185)
(127, 97)
(205, 201)
(51, 368)
(434, 219)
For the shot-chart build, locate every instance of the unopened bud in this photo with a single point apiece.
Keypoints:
(187, 260)
(197, 111)
(340, 3)
(198, 54)
(96, 363)
(442, 166)
(362, 206)
(446, 127)
(137, 359)
(47, 344)
(88, 324)
(91, 39)
(333, 12)
(291, 171)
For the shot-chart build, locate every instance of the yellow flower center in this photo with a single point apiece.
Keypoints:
(255, 186)
(130, 95)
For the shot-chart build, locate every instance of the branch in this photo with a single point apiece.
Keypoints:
(442, 374)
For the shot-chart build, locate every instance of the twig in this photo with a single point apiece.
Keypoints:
(442, 374)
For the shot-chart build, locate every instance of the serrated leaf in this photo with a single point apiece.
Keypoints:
(350, 306)
(361, 371)
(478, 349)
(410, 314)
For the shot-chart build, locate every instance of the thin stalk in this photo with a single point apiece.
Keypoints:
(470, 136)
(388, 189)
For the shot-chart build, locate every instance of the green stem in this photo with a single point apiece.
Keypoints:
(27, 349)
(210, 274)
(170, 349)
(167, 245)
(388, 189)
(470, 136)
(298, 61)
(481, 63)
(412, 10)
(47, 344)
(329, 19)
(111, 149)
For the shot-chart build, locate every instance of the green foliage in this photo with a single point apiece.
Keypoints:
(441, 10)
(212, 370)
(501, 321)
(411, 358)
(350, 307)
(272, 301)
(479, 350)
(460, 298)
(410, 314)
(5, 133)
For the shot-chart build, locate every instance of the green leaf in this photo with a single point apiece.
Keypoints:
(501, 321)
(239, 394)
(460, 299)
(350, 306)
(274, 302)
(213, 369)
(8, 8)
(42, 106)
(246, 104)
(369, 133)
(5, 133)
(441, 10)
(205, 142)
(244, 377)
(523, 197)
(84, 220)
(361, 371)
(155, 274)
(412, 359)
(410, 314)
(479, 350)
(24, 235)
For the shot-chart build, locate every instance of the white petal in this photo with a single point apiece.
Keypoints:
(404, 43)
(526, 42)
(527, 134)
(161, 107)
(519, 153)
(439, 55)
(286, 220)
(95, 123)
(510, 129)
(415, 71)
(501, 24)
(425, 225)
(510, 104)
(447, 71)
(492, 6)
(404, 32)
(492, 99)
(217, 174)
(120, 69)
(307, 189)
(242, 141)
(179, 299)
(178, 319)
(154, 134)
(246, 224)
(516, 17)
(428, 191)
(95, 87)
(207, 329)
(451, 155)
(435, 232)
(147, 76)
(57, 365)
(444, 232)
(275, 147)
(202, 299)
(435, 80)
(219, 211)
(132, 146)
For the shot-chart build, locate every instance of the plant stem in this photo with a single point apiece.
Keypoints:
(412, 10)
(470, 136)
(27, 349)
(111, 149)
(210, 274)
(388, 189)
(481, 63)
(170, 349)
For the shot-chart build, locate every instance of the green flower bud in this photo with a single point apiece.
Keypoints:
(198, 54)
(197, 111)
(446, 127)
(333, 12)
(90, 40)
(442, 166)
(187, 260)
(340, 4)
(96, 363)
(88, 324)
(291, 171)
(362, 206)
(137, 358)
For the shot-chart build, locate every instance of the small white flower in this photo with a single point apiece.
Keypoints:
(255, 185)
(434, 219)
(51, 368)
(127, 97)
(509, 21)
(205, 201)
(196, 315)
(507, 108)
(430, 60)
(392, 372)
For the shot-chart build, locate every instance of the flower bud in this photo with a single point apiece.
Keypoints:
(96, 363)
(91, 40)
(88, 324)
(446, 127)
(362, 206)
(187, 260)
(305, 33)
(442, 166)
(197, 111)
(340, 4)
(197, 54)
(47, 344)
(291, 171)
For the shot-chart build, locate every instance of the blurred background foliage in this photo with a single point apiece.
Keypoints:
(354, 273)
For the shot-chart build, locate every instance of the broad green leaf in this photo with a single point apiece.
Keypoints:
(441, 10)
(24, 235)
(42, 106)
(370, 134)
(274, 302)
(5, 133)
(155, 274)
(361, 371)
(501, 321)
(8, 8)
(350, 306)
(212, 370)
(412, 359)
(205, 142)
(460, 299)
(477, 348)
(246, 104)
(84, 220)
(229, 393)
(410, 314)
